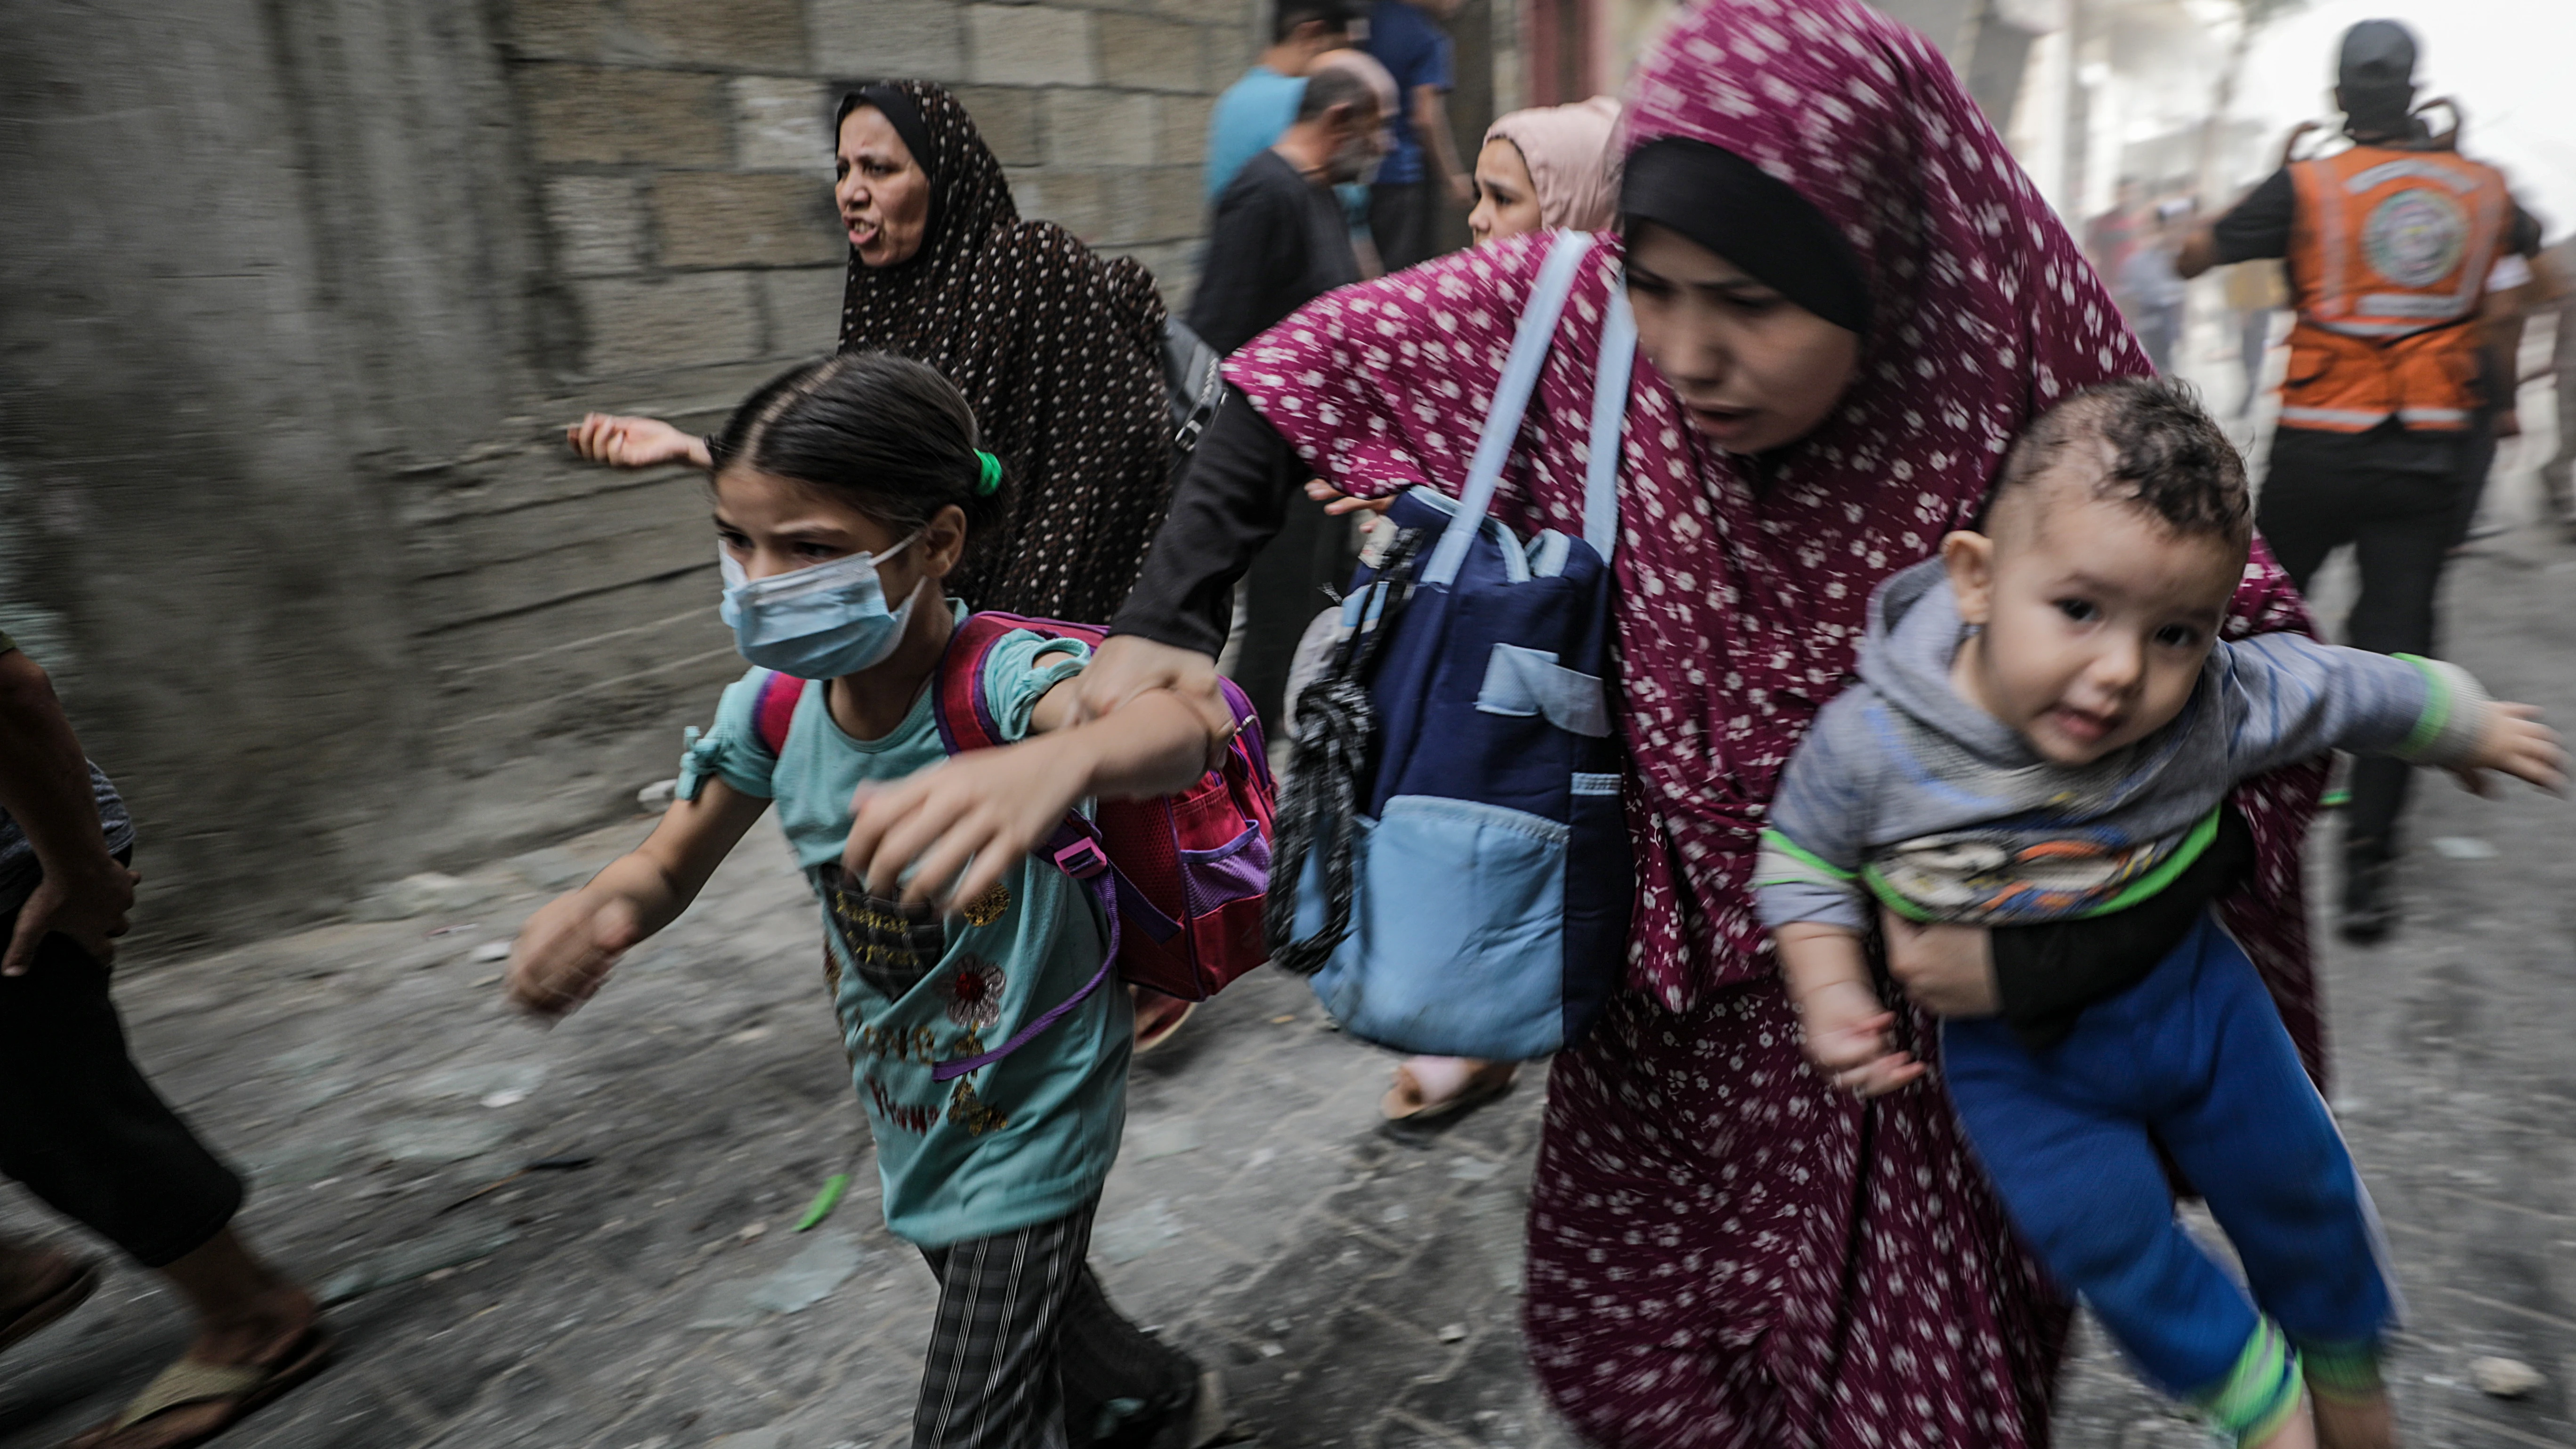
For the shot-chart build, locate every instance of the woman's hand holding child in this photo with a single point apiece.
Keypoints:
(948, 833)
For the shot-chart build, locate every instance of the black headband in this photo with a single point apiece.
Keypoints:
(1750, 217)
(899, 111)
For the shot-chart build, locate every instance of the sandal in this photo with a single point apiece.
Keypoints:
(1158, 1017)
(1427, 1088)
(236, 1390)
(55, 1283)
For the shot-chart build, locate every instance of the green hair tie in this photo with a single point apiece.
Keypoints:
(992, 476)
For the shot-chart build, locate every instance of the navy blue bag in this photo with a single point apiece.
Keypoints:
(1453, 867)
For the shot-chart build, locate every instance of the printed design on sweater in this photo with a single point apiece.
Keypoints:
(1971, 875)
(968, 1111)
(903, 1115)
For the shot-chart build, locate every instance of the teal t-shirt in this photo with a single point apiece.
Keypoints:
(1032, 1136)
(1252, 114)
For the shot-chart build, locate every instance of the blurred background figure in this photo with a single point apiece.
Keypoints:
(1279, 240)
(79, 1125)
(2150, 293)
(1257, 108)
(1549, 166)
(2389, 244)
(1421, 174)
(2110, 236)
(2255, 290)
(2558, 475)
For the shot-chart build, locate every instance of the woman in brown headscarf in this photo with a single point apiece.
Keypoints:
(1059, 350)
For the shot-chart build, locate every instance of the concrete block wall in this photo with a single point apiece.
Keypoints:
(680, 157)
(681, 148)
(283, 499)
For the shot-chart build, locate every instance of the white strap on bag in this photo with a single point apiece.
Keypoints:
(1530, 342)
(1609, 414)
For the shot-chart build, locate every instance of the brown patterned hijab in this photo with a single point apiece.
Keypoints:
(1058, 350)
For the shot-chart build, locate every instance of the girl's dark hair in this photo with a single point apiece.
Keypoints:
(885, 434)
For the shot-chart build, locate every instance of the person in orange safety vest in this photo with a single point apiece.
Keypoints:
(2389, 244)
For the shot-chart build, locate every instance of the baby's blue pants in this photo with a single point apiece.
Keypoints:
(2194, 1054)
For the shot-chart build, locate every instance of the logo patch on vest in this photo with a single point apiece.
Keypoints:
(2416, 237)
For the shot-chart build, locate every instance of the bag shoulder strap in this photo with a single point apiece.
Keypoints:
(1531, 339)
(1609, 416)
(958, 703)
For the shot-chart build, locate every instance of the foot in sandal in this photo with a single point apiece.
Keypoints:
(1158, 1017)
(38, 1286)
(258, 1335)
(1429, 1087)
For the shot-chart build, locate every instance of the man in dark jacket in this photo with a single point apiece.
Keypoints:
(1279, 241)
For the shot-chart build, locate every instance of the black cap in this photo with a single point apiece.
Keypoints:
(2378, 55)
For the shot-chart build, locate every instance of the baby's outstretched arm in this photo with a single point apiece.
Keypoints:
(1845, 1025)
(2516, 743)
(949, 832)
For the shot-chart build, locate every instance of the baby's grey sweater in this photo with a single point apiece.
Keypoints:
(1907, 792)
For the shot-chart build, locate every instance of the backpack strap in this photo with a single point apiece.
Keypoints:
(959, 705)
(1531, 338)
(1090, 868)
(965, 718)
(1609, 413)
(773, 712)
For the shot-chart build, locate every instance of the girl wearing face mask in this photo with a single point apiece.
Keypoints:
(1848, 300)
(846, 494)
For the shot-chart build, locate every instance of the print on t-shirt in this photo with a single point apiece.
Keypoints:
(892, 945)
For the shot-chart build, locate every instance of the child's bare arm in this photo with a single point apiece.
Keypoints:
(569, 946)
(2518, 744)
(949, 832)
(1846, 1027)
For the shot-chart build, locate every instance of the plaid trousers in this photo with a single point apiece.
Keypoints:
(1027, 1353)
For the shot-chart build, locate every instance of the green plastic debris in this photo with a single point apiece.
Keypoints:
(824, 1201)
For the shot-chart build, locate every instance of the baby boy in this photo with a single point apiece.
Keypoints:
(2048, 725)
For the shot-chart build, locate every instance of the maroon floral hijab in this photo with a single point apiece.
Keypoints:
(1744, 580)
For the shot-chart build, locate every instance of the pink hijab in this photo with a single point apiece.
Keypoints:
(1567, 150)
(1743, 580)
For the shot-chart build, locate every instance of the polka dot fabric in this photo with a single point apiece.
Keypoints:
(1695, 1275)
(1060, 353)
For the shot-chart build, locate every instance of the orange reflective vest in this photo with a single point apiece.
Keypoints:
(2389, 253)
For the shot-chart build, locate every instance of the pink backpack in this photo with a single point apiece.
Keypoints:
(1180, 878)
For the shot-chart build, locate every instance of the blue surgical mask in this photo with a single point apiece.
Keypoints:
(816, 623)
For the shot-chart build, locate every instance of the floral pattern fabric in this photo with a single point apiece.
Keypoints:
(1696, 1276)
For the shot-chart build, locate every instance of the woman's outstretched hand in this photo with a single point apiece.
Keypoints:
(624, 442)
